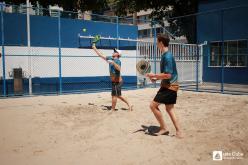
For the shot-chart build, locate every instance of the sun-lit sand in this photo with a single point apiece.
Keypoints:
(78, 129)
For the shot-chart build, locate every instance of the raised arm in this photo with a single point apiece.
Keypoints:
(98, 52)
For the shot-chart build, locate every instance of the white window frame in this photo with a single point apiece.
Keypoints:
(231, 66)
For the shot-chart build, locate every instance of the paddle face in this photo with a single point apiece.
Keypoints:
(96, 39)
(143, 67)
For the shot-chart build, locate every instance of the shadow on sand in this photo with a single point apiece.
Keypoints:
(150, 130)
(108, 108)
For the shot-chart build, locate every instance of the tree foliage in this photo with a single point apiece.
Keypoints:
(70, 5)
(165, 10)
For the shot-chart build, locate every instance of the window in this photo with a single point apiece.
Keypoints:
(159, 30)
(215, 56)
(235, 53)
(143, 19)
(144, 33)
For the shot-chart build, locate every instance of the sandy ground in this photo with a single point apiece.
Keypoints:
(78, 129)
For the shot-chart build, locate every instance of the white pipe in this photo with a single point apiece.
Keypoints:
(111, 38)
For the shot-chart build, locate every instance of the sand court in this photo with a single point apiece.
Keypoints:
(81, 129)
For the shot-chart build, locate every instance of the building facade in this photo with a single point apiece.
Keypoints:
(223, 24)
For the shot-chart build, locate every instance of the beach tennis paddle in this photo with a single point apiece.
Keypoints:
(96, 39)
(143, 67)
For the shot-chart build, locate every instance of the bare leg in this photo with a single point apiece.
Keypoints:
(169, 109)
(157, 113)
(114, 100)
(125, 101)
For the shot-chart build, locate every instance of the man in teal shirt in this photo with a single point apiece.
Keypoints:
(115, 75)
(167, 93)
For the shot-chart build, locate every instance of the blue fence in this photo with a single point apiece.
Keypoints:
(54, 48)
(59, 61)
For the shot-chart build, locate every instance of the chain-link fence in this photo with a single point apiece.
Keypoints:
(49, 50)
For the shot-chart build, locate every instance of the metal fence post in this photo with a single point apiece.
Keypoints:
(117, 31)
(222, 53)
(59, 40)
(155, 48)
(30, 68)
(197, 68)
(3, 53)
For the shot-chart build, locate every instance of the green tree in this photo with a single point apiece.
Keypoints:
(165, 10)
(70, 5)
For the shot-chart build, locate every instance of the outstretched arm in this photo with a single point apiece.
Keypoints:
(159, 76)
(154, 77)
(98, 52)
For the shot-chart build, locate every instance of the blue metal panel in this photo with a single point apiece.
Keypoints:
(213, 26)
(44, 31)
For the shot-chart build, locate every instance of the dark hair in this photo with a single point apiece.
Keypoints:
(164, 39)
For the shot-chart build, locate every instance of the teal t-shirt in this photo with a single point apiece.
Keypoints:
(114, 72)
(168, 65)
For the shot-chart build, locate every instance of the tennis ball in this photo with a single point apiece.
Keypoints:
(84, 30)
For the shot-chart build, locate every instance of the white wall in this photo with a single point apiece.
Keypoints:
(75, 62)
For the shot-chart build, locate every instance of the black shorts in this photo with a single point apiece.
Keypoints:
(166, 96)
(116, 88)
